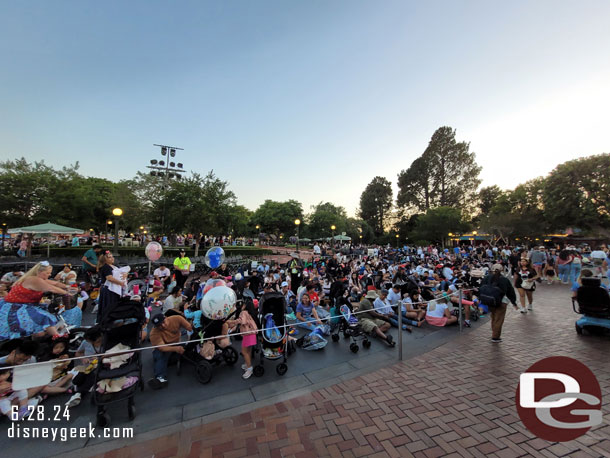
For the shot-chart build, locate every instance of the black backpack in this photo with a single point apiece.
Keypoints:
(491, 295)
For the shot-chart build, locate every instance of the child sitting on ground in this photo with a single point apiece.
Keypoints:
(85, 375)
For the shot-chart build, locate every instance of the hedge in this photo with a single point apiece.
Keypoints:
(70, 252)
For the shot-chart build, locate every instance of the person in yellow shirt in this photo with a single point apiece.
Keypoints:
(182, 269)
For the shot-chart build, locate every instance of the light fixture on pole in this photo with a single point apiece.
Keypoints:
(108, 223)
(297, 222)
(3, 234)
(117, 212)
(166, 170)
(397, 237)
(332, 228)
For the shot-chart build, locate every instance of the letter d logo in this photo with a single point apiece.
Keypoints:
(559, 399)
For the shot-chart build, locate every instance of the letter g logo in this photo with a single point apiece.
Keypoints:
(553, 396)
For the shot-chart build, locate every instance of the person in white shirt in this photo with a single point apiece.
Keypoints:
(316, 249)
(66, 275)
(174, 300)
(438, 313)
(163, 274)
(383, 307)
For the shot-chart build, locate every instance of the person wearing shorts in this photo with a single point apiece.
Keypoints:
(249, 328)
(374, 323)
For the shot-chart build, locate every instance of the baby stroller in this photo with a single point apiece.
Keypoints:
(350, 327)
(193, 350)
(119, 375)
(594, 304)
(274, 337)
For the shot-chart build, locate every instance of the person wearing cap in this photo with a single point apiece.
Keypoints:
(374, 323)
(166, 330)
(289, 296)
(182, 268)
(507, 293)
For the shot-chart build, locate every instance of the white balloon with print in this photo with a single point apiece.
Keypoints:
(218, 303)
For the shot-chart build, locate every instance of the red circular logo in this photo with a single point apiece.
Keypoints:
(559, 399)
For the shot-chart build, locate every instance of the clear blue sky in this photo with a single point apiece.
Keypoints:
(305, 100)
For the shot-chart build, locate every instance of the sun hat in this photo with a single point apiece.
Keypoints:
(497, 268)
(371, 294)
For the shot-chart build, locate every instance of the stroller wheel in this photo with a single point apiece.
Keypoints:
(366, 343)
(179, 366)
(204, 372)
(131, 411)
(281, 369)
(103, 420)
(335, 337)
(259, 371)
(354, 348)
(230, 355)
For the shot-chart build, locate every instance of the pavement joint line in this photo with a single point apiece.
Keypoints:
(173, 428)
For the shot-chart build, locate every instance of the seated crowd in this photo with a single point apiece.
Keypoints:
(420, 286)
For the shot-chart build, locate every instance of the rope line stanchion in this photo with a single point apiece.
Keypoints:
(201, 340)
(460, 310)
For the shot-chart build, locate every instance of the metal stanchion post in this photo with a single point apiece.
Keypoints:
(399, 332)
(460, 310)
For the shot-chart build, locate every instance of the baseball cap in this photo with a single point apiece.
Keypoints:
(497, 268)
(158, 319)
(284, 284)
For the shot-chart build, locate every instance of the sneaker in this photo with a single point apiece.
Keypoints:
(74, 400)
(244, 367)
(467, 323)
(522, 309)
(248, 373)
(530, 307)
(498, 340)
(157, 383)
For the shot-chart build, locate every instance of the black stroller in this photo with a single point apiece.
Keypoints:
(594, 304)
(204, 367)
(274, 342)
(350, 327)
(121, 379)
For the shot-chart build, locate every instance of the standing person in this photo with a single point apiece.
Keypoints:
(248, 325)
(90, 261)
(496, 292)
(525, 282)
(23, 247)
(294, 267)
(111, 291)
(549, 268)
(564, 261)
(576, 265)
(182, 268)
(21, 314)
(538, 259)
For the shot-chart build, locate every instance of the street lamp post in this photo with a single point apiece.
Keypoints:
(297, 222)
(117, 212)
(108, 223)
(397, 236)
(332, 228)
(3, 234)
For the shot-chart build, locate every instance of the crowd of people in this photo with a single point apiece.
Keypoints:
(381, 287)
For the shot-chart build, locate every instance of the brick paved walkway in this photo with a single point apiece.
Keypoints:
(457, 401)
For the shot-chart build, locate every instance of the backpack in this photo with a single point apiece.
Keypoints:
(491, 295)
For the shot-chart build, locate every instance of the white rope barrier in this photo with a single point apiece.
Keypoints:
(201, 340)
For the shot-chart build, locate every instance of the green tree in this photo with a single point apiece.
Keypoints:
(578, 193)
(437, 223)
(445, 175)
(488, 197)
(278, 217)
(25, 189)
(376, 203)
(323, 216)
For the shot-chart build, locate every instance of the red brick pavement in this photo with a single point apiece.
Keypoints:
(455, 401)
